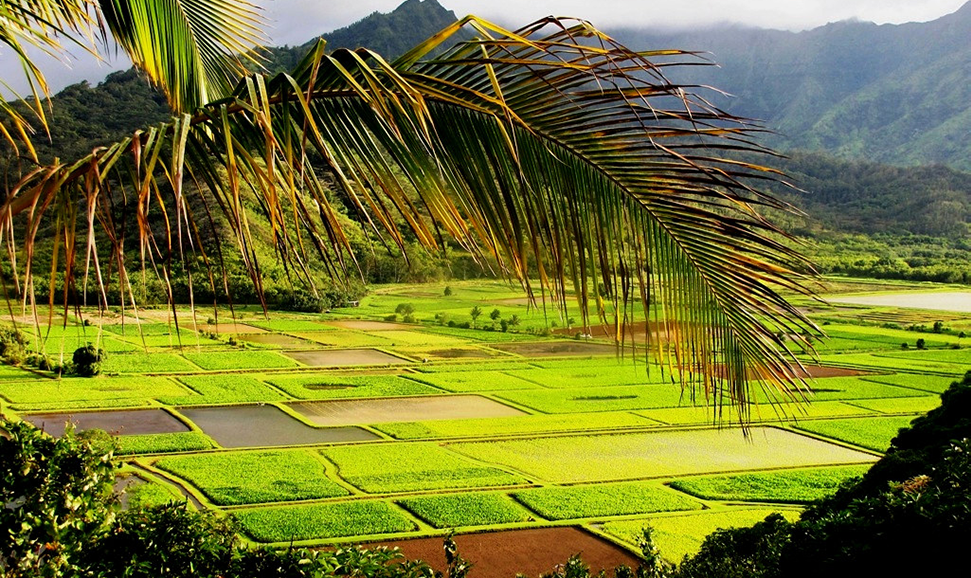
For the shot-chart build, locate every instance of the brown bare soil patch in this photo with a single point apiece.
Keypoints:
(528, 552)
(124, 422)
(344, 357)
(457, 353)
(364, 325)
(361, 411)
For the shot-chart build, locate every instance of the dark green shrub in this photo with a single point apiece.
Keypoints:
(13, 346)
(87, 360)
(448, 291)
(57, 499)
(303, 301)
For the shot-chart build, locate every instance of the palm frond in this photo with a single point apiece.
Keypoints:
(553, 149)
(191, 48)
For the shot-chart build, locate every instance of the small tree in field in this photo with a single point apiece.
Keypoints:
(474, 314)
(496, 315)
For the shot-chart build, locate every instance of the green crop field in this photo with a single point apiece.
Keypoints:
(601, 500)
(470, 509)
(214, 389)
(163, 443)
(583, 437)
(402, 468)
(255, 477)
(873, 433)
(794, 486)
(314, 522)
(320, 385)
(234, 360)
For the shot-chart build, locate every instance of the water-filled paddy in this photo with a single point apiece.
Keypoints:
(124, 422)
(365, 411)
(265, 425)
(345, 357)
(949, 301)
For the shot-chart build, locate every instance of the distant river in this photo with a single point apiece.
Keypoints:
(952, 301)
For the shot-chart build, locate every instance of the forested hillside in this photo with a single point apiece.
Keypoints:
(896, 94)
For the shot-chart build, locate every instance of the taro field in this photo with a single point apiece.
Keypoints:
(357, 426)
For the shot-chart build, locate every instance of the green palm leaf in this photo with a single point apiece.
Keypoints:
(553, 149)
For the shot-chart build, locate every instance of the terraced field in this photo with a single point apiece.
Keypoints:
(348, 427)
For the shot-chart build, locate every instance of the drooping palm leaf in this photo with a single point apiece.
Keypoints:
(190, 48)
(41, 25)
(553, 148)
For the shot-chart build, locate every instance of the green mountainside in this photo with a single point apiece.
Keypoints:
(895, 94)
(890, 103)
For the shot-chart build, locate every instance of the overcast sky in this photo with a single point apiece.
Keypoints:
(296, 21)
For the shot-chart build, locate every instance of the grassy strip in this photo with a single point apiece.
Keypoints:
(223, 389)
(604, 500)
(89, 392)
(232, 360)
(901, 405)
(163, 443)
(874, 433)
(150, 494)
(793, 411)
(845, 388)
(474, 366)
(289, 325)
(932, 383)
(511, 425)
(598, 376)
(292, 523)
(471, 509)
(331, 386)
(411, 467)
(797, 487)
(255, 477)
(147, 363)
(879, 361)
(466, 381)
(582, 399)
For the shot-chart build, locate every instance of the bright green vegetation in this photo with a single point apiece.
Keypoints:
(796, 486)
(287, 325)
(598, 376)
(469, 509)
(233, 360)
(314, 522)
(77, 393)
(411, 467)
(10, 373)
(147, 363)
(700, 415)
(189, 341)
(873, 433)
(583, 399)
(959, 357)
(318, 385)
(224, 389)
(932, 383)
(885, 362)
(163, 443)
(595, 458)
(846, 388)
(145, 494)
(466, 381)
(512, 425)
(914, 405)
(680, 536)
(255, 477)
(565, 503)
